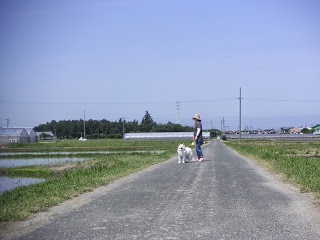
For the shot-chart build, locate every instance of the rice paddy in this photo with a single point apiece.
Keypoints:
(106, 161)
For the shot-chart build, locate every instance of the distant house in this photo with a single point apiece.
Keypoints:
(257, 131)
(17, 135)
(295, 130)
(316, 129)
(285, 129)
(270, 131)
(45, 135)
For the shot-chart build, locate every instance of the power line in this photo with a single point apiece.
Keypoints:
(102, 103)
(280, 100)
(159, 102)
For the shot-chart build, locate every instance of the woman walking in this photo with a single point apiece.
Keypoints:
(197, 136)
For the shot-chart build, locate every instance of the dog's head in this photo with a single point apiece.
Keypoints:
(181, 147)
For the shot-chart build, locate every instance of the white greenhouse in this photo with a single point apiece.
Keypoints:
(17, 135)
(163, 136)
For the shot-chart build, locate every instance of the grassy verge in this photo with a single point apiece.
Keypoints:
(298, 161)
(60, 186)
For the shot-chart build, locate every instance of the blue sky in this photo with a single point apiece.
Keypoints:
(120, 58)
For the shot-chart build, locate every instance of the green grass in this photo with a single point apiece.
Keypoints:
(297, 161)
(22, 202)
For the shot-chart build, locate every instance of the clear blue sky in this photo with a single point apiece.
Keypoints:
(119, 58)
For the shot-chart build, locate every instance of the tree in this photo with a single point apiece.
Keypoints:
(43, 136)
(147, 123)
(104, 128)
(306, 130)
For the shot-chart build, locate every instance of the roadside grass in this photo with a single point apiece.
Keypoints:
(22, 202)
(299, 162)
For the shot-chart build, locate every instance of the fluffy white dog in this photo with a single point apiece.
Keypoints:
(184, 153)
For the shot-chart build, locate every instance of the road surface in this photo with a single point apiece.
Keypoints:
(225, 197)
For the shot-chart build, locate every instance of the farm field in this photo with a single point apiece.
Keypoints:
(107, 161)
(299, 162)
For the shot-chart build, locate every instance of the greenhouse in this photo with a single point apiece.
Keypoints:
(164, 136)
(17, 135)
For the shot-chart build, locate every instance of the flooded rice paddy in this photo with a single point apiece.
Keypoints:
(74, 153)
(8, 183)
(11, 163)
(43, 158)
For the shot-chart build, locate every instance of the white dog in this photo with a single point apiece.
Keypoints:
(184, 153)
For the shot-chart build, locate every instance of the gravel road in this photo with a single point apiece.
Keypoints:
(225, 197)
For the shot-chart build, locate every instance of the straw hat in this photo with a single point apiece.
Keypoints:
(196, 116)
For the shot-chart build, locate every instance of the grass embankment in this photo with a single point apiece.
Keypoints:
(297, 161)
(83, 177)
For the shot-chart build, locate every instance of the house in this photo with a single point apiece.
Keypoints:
(285, 129)
(45, 135)
(269, 131)
(295, 130)
(316, 129)
(17, 135)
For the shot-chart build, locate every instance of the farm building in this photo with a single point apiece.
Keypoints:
(33, 137)
(45, 135)
(316, 129)
(164, 136)
(17, 135)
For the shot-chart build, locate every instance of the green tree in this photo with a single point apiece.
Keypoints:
(306, 130)
(147, 123)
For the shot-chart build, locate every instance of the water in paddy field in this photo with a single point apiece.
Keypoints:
(10, 183)
(11, 163)
(73, 153)
(7, 183)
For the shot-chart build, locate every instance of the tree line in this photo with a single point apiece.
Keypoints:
(107, 129)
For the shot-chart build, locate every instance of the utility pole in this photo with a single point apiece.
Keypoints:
(123, 128)
(222, 127)
(178, 113)
(8, 121)
(84, 123)
(240, 116)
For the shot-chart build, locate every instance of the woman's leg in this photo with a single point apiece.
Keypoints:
(198, 149)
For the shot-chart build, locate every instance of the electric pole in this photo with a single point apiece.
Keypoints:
(222, 127)
(240, 116)
(84, 123)
(8, 121)
(123, 131)
(178, 113)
